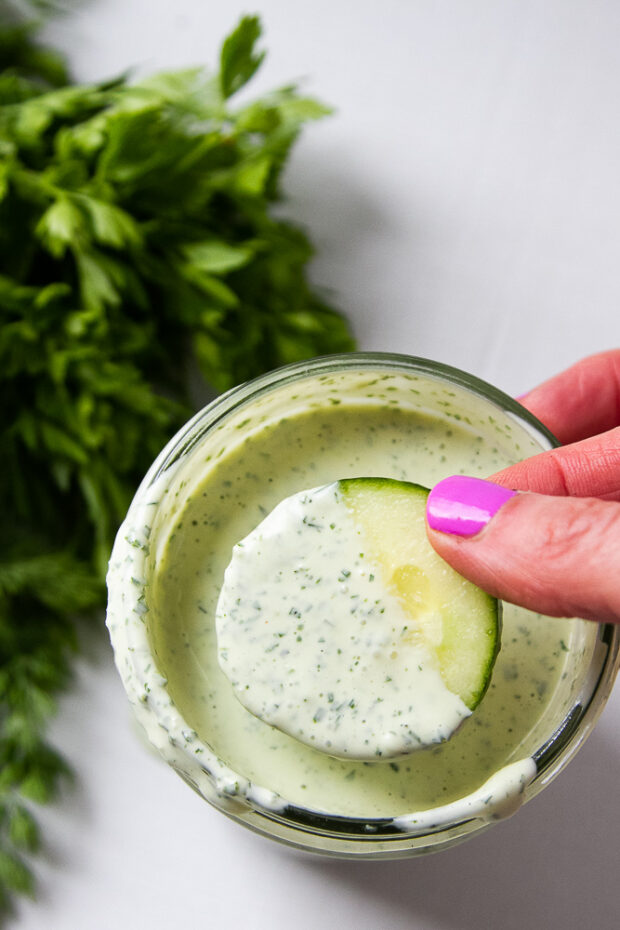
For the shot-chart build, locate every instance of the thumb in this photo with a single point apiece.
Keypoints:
(559, 556)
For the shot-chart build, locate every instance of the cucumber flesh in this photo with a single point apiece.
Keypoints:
(338, 623)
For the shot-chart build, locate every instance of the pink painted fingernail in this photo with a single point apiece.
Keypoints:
(463, 506)
(522, 396)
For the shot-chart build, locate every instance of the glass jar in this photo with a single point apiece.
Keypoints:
(368, 411)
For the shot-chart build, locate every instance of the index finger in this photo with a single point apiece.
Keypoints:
(582, 401)
(590, 468)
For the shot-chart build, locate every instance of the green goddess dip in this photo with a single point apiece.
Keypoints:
(333, 428)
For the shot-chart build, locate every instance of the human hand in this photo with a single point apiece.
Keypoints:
(556, 548)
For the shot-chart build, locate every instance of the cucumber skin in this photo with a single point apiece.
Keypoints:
(495, 606)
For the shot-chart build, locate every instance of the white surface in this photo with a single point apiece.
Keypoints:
(465, 203)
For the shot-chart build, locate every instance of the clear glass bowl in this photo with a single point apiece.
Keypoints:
(383, 382)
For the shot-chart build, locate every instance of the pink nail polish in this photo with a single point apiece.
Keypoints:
(522, 396)
(463, 506)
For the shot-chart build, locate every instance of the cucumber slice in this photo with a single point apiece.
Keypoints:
(459, 621)
(338, 623)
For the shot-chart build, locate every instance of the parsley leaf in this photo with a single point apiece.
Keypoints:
(238, 62)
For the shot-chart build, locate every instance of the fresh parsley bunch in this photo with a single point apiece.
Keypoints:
(136, 233)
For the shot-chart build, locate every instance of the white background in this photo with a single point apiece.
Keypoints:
(465, 201)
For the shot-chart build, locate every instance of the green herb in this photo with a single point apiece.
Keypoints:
(136, 236)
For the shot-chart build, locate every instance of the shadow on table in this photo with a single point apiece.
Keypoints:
(359, 240)
(555, 865)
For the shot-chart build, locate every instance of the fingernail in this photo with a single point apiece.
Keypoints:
(522, 396)
(463, 506)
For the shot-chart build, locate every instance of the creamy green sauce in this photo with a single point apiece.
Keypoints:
(317, 447)
(315, 643)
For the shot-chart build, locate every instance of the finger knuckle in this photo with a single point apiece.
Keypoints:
(584, 529)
